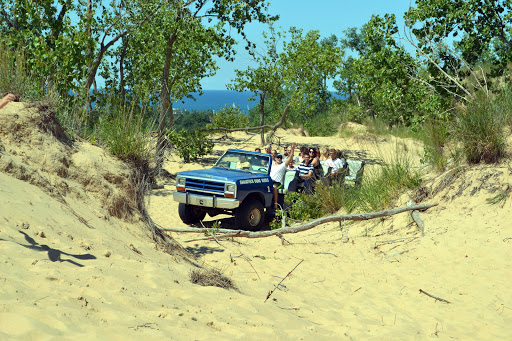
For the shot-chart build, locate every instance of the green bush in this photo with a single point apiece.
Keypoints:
(381, 186)
(192, 121)
(125, 133)
(379, 189)
(479, 127)
(190, 146)
(436, 135)
(229, 118)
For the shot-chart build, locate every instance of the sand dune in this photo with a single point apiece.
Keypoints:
(77, 262)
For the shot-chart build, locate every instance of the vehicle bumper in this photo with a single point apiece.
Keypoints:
(205, 201)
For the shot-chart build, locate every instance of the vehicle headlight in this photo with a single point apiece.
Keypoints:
(229, 190)
(180, 183)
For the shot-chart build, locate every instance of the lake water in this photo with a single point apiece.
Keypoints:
(216, 100)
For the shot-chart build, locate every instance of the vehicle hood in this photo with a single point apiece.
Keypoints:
(222, 174)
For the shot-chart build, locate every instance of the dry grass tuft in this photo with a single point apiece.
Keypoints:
(211, 278)
(46, 121)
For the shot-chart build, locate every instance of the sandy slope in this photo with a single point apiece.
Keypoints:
(71, 270)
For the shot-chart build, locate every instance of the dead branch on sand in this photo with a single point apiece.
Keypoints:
(416, 217)
(434, 297)
(278, 284)
(299, 228)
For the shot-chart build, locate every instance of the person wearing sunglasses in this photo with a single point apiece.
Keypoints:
(315, 161)
(305, 171)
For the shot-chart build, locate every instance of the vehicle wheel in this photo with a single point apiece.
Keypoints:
(250, 215)
(190, 214)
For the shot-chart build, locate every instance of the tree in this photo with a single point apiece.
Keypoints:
(307, 63)
(188, 18)
(264, 79)
(345, 84)
(384, 76)
(55, 48)
(485, 28)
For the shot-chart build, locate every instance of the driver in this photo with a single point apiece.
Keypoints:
(242, 162)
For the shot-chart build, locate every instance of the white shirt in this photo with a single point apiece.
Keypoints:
(335, 164)
(277, 171)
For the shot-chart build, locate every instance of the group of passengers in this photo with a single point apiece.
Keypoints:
(307, 165)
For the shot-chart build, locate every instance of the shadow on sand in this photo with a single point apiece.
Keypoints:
(53, 254)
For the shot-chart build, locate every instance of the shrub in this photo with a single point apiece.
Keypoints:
(378, 190)
(381, 186)
(436, 136)
(229, 118)
(479, 127)
(125, 133)
(304, 207)
(190, 146)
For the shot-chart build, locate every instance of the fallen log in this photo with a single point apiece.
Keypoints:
(226, 233)
(416, 217)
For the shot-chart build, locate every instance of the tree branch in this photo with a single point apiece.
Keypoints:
(303, 227)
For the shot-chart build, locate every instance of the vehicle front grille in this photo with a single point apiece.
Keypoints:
(204, 186)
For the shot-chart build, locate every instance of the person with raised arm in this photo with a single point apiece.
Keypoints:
(7, 99)
(277, 172)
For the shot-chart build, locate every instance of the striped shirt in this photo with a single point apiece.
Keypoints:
(305, 169)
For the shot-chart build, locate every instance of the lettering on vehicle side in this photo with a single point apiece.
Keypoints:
(254, 181)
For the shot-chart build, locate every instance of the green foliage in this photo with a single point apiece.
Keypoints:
(379, 189)
(55, 48)
(484, 27)
(192, 121)
(305, 206)
(479, 127)
(15, 76)
(381, 186)
(229, 118)
(435, 139)
(214, 230)
(307, 63)
(323, 124)
(125, 132)
(385, 80)
(190, 146)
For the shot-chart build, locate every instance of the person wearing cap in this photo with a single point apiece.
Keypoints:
(277, 171)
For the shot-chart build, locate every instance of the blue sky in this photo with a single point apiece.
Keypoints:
(327, 16)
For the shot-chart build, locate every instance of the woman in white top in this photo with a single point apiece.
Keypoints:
(337, 165)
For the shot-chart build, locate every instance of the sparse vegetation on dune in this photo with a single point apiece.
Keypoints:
(81, 164)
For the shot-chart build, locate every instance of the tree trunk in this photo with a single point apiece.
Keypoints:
(165, 104)
(121, 68)
(262, 116)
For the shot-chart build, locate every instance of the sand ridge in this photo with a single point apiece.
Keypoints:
(70, 270)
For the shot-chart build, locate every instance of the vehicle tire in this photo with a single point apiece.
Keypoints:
(250, 215)
(190, 214)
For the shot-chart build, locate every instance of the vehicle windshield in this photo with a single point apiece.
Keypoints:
(249, 162)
